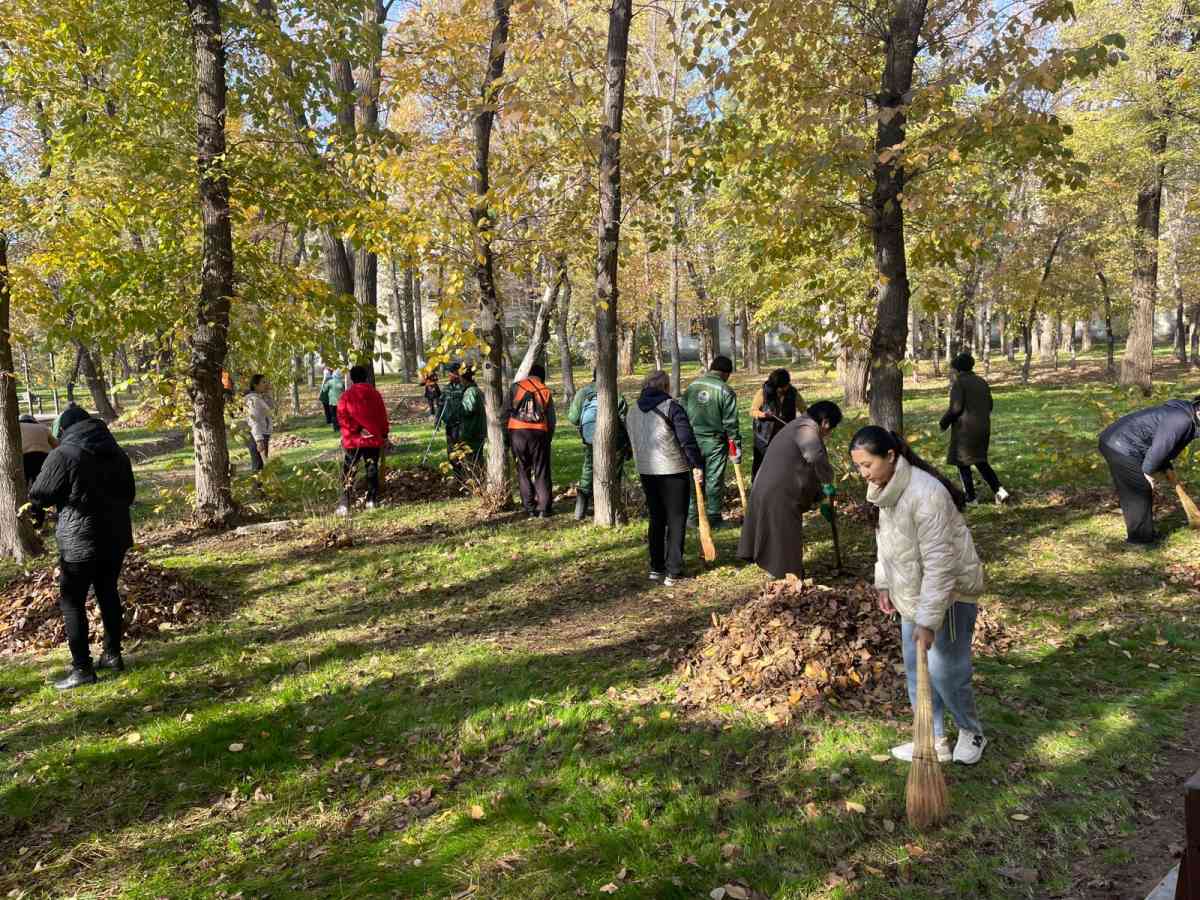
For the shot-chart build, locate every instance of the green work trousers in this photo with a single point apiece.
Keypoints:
(585, 473)
(716, 456)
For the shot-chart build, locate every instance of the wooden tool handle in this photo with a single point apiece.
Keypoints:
(706, 541)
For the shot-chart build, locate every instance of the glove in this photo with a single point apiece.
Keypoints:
(734, 453)
(829, 490)
(827, 512)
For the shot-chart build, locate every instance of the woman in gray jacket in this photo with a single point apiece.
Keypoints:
(664, 450)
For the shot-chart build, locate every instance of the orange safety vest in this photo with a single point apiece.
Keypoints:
(534, 386)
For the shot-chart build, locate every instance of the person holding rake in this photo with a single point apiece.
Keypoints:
(927, 570)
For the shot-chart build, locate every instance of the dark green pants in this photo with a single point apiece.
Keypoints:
(585, 473)
(716, 457)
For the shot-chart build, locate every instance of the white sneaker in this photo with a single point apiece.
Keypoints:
(656, 576)
(371, 504)
(969, 749)
(672, 580)
(342, 511)
(1002, 496)
(904, 752)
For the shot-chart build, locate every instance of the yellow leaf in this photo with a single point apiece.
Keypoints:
(476, 812)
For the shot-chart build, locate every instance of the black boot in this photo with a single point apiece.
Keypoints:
(581, 505)
(111, 660)
(77, 678)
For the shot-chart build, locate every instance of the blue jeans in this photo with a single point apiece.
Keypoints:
(950, 669)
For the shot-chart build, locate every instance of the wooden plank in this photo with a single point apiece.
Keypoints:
(1188, 886)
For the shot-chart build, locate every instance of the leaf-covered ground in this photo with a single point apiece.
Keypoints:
(424, 704)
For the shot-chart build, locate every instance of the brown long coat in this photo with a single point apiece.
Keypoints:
(788, 484)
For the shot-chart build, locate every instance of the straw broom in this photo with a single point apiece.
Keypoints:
(927, 800)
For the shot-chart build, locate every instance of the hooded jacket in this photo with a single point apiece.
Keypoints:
(661, 436)
(362, 417)
(332, 389)
(258, 414)
(90, 479)
(925, 557)
(1155, 436)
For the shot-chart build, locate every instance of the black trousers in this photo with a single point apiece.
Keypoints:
(667, 499)
(74, 581)
(32, 463)
(369, 458)
(760, 453)
(259, 451)
(330, 413)
(988, 473)
(1137, 499)
(531, 449)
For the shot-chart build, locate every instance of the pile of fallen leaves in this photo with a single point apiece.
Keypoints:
(288, 441)
(411, 409)
(154, 600)
(1104, 498)
(419, 484)
(803, 646)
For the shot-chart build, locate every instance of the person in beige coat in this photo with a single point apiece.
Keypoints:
(927, 570)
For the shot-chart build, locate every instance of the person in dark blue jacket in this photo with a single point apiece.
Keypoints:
(1139, 446)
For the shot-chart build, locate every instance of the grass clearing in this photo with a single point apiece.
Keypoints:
(451, 706)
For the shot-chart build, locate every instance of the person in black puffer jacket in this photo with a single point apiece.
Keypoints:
(90, 479)
(1139, 446)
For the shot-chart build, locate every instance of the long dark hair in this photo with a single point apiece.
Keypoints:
(254, 382)
(878, 441)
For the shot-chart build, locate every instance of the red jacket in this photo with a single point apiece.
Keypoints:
(362, 417)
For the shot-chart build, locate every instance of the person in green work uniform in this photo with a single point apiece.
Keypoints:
(332, 389)
(582, 414)
(473, 430)
(452, 413)
(711, 406)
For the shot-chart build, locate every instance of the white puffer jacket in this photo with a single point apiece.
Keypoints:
(925, 556)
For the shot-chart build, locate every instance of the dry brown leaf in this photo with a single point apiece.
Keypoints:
(476, 812)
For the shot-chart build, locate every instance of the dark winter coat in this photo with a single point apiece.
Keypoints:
(969, 419)
(765, 429)
(787, 485)
(90, 479)
(1155, 436)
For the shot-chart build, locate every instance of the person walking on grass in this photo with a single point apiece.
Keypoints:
(332, 389)
(473, 428)
(258, 406)
(452, 414)
(433, 393)
(926, 568)
(363, 418)
(1138, 447)
(796, 476)
(668, 460)
(89, 479)
(531, 422)
(777, 404)
(585, 406)
(711, 406)
(969, 419)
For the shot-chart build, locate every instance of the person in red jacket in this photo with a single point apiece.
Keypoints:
(363, 418)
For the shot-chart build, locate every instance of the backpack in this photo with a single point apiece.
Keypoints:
(529, 408)
(587, 419)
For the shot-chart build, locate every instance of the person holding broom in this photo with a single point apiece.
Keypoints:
(1139, 446)
(711, 406)
(926, 568)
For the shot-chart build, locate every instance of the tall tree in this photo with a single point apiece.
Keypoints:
(214, 504)
(606, 480)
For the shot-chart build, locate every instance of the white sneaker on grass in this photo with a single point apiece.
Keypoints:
(904, 752)
(1002, 496)
(969, 749)
(672, 580)
(656, 576)
(342, 511)
(371, 504)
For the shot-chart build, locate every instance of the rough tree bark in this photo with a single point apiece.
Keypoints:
(885, 215)
(93, 373)
(398, 317)
(418, 321)
(214, 506)
(1110, 340)
(564, 339)
(539, 337)
(606, 455)
(1137, 366)
(18, 540)
(491, 313)
(409, 298)
(627, 349)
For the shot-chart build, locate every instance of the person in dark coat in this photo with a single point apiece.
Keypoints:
(772, 408)
(90, 479)
(789, 484)
(1139, 446)
(969, 419)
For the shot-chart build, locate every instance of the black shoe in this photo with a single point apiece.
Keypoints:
(581, 506)
(76, 678)
(109, 660)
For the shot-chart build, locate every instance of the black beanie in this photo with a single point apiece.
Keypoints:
(722, 364)
(72, 415)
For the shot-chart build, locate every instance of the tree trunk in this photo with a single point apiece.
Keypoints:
(676, 364)
(401, 344)
(410, 325)
(491, 313)
(418, 320)
(886, 216)
(1194, 338)
(18, 540)
(1085, 333)
(985, 337)
(935, 346)
(214, 506)
(607, 459)
(297, 377)
(1010, 349)
(1072, 345)
(627, 349)
(854, 369)
(1181, 330)
(1109, 338)
(1031, 316)
(1137, 366)
(93, 373)
(539, 339)
(564, 342)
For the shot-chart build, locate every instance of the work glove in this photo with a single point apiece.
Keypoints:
(734, 453)
(829, 490)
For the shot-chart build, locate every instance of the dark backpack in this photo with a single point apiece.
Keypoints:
(529, 408)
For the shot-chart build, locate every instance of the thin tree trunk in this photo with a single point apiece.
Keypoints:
(93, 373)
(297, 377)
(627, 349)
(1181, 330)
(539, 338)
(214, 506)
(401, 345)
(676, 364)
(409, 301)
(1085, 333)
(419, 315)
(491, 313)
(935, 346)
(1137, 366)
(1032, 315)
(1194, 338)
(564, 340)
(606, 455)
(1109, 338)
(854, 367)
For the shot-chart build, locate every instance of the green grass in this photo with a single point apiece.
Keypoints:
(453, 705)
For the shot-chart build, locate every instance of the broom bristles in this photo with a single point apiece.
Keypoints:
(927, 799)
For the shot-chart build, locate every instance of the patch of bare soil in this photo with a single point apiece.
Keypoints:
(419, 484)
(168, 443)
(1158, 843)
(156, 600)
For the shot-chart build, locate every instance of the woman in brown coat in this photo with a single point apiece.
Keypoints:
(969, 419)
(787, 486)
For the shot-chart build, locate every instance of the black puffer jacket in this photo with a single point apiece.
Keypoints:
(1155, 436)
(90, 479)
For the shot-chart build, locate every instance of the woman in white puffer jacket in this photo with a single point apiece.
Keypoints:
(926, 569)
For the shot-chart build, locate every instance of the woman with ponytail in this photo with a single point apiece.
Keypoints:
(926, 568)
